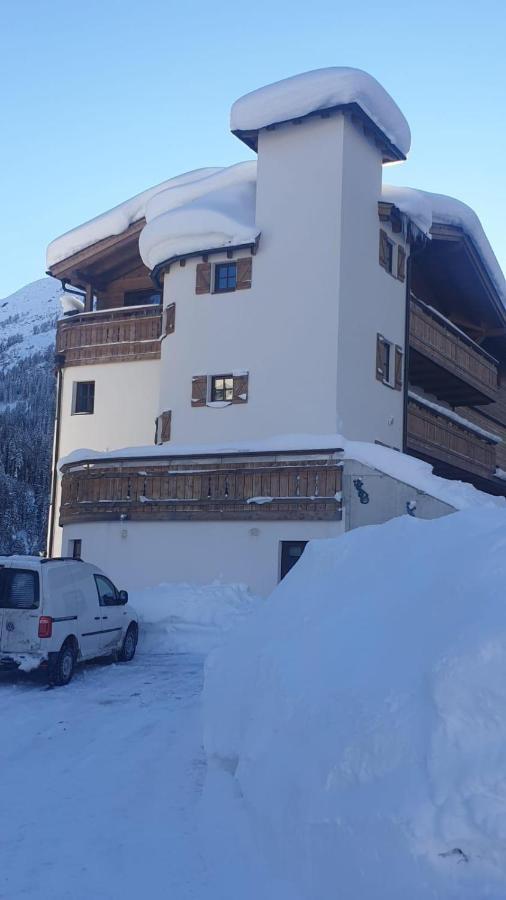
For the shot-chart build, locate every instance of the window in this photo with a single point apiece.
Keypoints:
(219, 388)
(225, 277)
(222, 388)
(19, 589)
(386, 252)
(389, 363)
(142, 298)
(83, 402)
(75, 547)
(107, 593)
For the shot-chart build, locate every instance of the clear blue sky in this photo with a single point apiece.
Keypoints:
(104, 98)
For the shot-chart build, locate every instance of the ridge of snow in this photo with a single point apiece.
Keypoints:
(450, 414)
(408, 469)
(426, 209)
(206, 214)
(115, 220)
(319, 89)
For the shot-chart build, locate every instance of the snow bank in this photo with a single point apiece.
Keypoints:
(412, 471)
(360, 714)
(189, 617)
(426, 209)
(205, 214)
(321, 89)
(114, 221)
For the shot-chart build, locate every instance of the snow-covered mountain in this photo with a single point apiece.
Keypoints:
(28, 321)
(27, 396)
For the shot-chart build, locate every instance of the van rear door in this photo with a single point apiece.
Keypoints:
(19, 605)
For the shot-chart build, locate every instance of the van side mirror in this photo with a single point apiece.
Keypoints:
(123, 597)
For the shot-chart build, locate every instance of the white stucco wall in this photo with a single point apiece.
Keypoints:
(140, 554)
(283, 330)
(371, 301)
(126, 400)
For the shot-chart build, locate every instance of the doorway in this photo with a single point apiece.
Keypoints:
(291, 552)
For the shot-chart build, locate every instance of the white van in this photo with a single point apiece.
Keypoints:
(54, 612)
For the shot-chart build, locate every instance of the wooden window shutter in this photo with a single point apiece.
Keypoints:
(401, 263)
(203, 282)
(170, 318)
(380, 357)
(383, 249)
(163, 427)
(199, 390)
(241, 388)
(398, 368)
(244, 266)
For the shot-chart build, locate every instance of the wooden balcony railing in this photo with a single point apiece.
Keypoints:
(433, 435)
(447, 363)
(192, 490)
(113, 335)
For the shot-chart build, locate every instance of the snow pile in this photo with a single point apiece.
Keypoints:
(205, 214)
(359, 715)
(317, 90)
(412, 471)
(426, 209)
(189, 617)
(114, 221)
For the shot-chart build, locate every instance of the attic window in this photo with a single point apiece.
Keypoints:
(225, 277)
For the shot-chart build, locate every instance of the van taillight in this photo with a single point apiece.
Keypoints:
(45, 627)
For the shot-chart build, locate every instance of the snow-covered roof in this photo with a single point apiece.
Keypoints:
(405, 468)
(320, 89)
(114, 221)
(426, 209)
(210, 212)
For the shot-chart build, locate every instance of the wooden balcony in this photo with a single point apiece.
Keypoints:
(437, 438)
(113, 335)
(445, 362)
(196, 490)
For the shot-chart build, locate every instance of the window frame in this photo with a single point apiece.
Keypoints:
(75, 392)
(96, 576)
(211, 388)
(8, 570)
(224, 264)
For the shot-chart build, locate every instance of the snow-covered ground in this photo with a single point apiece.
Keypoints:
(345, 738)
(101, 782)
(360, 714)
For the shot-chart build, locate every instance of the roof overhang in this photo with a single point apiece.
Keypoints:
(390, 153)
(104, 261)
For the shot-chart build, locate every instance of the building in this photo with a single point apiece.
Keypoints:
(237, 327)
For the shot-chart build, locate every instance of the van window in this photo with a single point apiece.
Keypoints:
(19, 589)
(107, 593)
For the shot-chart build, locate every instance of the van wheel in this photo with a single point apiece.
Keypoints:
(129, 644)
(61, 665)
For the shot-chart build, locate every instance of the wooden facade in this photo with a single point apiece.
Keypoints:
(122, 335)
(218, 489)
(434, 436)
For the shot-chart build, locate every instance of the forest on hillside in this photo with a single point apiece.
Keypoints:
(27, 405)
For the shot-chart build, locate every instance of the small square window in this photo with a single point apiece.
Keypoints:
(225, 277)
(84, 398)
(222, 388)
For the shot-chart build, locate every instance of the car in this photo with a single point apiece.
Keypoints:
(56, 612)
